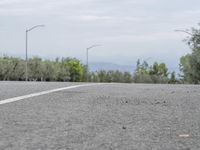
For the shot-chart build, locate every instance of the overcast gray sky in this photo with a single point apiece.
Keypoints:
(126, 29)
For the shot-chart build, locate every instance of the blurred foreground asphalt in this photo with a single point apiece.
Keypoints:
(101, 117)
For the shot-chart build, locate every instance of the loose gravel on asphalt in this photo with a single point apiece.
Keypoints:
(105, 117)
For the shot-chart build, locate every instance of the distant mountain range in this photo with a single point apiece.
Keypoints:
(96, 66)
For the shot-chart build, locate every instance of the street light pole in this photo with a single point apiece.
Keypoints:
(87, 61)
(26, 71)
(28, 30)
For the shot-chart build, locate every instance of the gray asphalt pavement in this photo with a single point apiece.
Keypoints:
(103, 117)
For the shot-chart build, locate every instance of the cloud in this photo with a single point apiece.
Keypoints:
(94, 18)
(142, 38)
(6, 2)
(29, 7)
(90, 7)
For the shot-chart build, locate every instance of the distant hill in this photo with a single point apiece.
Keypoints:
(96, 66)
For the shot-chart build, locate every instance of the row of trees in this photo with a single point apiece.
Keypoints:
(65, 69)
(110, 76)
(157, 73)
(71, 69)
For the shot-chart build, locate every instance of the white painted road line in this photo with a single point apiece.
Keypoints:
(10, 100)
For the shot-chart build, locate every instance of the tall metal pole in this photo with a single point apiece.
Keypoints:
(26, 71)
(26, 66)
(87, 68)
(87, 60)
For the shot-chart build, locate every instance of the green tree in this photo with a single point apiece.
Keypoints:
(190, 63)
(61, 70)
(173, 79)
(127, 77)
(16, 69)
(157, 73)
(102, 75)
(141, 74)
(49, 70)
(35, 72)
(159, 70)
(11, 68)
(76, 70)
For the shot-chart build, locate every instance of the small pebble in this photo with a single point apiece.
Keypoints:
(184, 135)
(157, 102)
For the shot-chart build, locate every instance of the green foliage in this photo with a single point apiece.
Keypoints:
(71, 69)
(11, 68)
(127, 77)
(110, 76)
(35, 69)
(66, 69)
(76, 70)
(158, 73)
(102, 75)
(159, 70)
(141, 69)
(173, 79)
(49, 70)
(190, 63)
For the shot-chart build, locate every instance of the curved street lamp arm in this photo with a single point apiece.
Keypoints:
(35, 27)
(93, 46)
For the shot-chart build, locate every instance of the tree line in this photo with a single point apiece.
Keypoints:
(157, 73)
(72, 70)
(65, 69)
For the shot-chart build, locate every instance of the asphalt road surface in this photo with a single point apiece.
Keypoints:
(100, 117)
